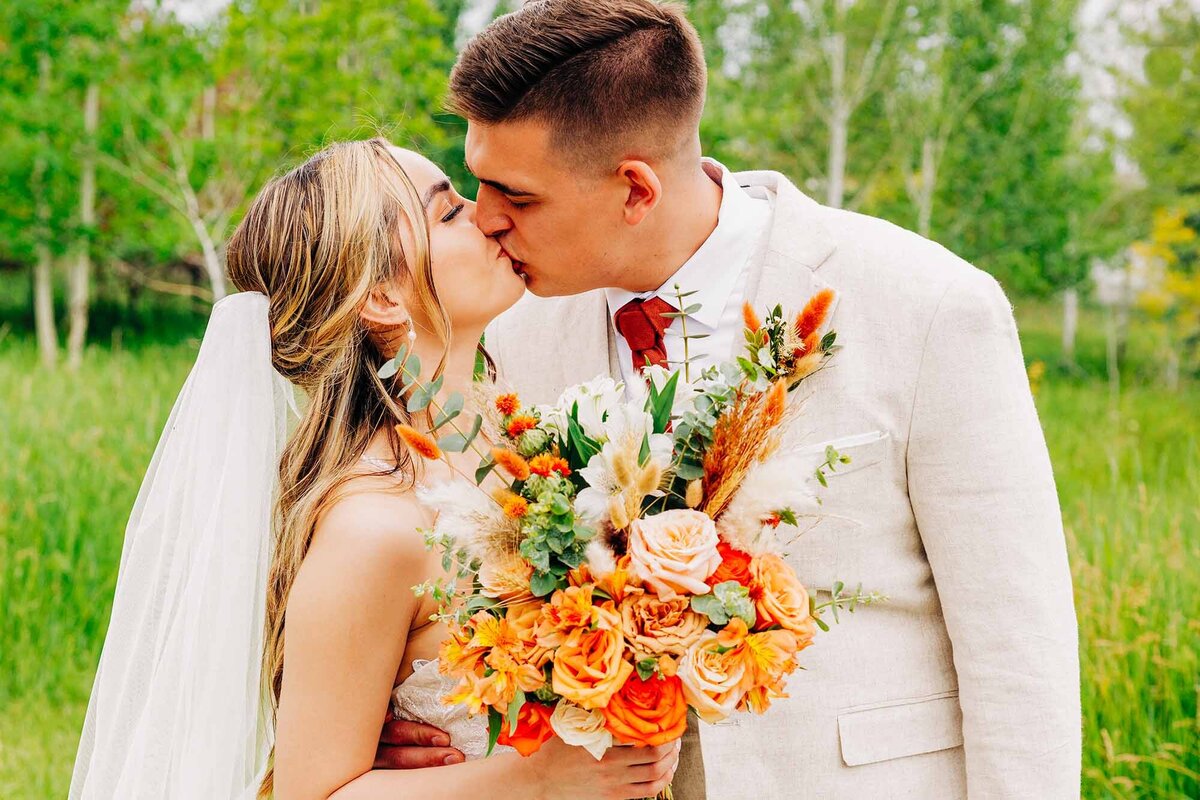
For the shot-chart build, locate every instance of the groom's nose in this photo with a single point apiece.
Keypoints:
(489, 212)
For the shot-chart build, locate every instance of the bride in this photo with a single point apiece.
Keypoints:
(264, 621)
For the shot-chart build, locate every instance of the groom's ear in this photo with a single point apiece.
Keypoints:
(643, 189)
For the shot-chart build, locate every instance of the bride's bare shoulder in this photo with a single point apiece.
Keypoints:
(373, 518)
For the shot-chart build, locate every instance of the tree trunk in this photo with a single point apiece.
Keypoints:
(839, 123)
(212, 259)
(43, 274)
(1070, 323)
(928, 185)
(81, 270)
(208, 120)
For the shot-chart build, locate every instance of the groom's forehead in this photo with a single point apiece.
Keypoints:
(508, 152)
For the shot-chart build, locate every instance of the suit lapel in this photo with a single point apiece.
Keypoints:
(797, 245)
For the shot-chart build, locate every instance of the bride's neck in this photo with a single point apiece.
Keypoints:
(459, 368)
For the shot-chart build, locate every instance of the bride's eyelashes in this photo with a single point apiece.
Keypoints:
(454, 212)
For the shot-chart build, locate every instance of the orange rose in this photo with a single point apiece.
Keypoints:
(654, 626)
(735, 566)
(780, 598)
(590, 665)
(713, 681)
(533, 729)
(674, 552)
(649, 712)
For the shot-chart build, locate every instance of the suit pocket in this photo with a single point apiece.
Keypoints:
(900, 728)
(863, 449)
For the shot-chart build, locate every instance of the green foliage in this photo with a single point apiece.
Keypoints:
(726, 601)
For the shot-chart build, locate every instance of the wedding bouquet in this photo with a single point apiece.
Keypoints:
(628, 564)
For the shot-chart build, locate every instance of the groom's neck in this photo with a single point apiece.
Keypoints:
(688, 216)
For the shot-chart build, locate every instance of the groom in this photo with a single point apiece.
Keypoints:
(583, 131)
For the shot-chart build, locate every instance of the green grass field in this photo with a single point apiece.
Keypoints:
(72, 450)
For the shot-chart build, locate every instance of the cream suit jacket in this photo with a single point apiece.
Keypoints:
(965, 684)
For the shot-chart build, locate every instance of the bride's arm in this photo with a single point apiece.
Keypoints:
(348, 617)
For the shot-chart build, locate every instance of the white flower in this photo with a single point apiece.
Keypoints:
(616, 480)
(470, 518)
(782, 481)
(582, 728)
(596, 398)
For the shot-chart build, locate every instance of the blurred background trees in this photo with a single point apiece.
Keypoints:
(137, 132)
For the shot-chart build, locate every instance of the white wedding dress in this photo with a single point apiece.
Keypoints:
(419, 699)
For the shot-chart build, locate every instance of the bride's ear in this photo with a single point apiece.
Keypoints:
(386, 317)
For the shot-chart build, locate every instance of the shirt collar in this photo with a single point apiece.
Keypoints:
(713, 270)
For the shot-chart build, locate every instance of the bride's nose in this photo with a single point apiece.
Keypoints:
(469, 209)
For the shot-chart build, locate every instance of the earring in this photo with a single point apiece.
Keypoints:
(412, 332)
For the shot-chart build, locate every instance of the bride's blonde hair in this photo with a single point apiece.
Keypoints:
(317, 241)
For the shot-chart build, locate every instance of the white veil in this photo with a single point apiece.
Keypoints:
(178, 709)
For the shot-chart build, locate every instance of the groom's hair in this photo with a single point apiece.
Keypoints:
(603, 75)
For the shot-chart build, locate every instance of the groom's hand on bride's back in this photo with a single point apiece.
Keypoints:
(413, 745)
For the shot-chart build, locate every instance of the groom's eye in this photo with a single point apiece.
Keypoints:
(454, 212)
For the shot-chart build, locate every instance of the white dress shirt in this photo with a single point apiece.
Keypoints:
(716, 272)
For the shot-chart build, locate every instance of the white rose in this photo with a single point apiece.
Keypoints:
(582, 728)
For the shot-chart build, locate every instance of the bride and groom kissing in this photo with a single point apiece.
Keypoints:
(263, 624)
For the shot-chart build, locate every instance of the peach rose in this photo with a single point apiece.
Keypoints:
(523, 619)
(674, 552)
(780, 598)
(713, 681)
(654, 626)
(590, 665)
(649, 712)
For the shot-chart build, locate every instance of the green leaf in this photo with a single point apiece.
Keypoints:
(542, 583)
(388, 369)
(486, 466)
(559, 504)
(453, 443)
(418, 400)
(644, 452)
(692, 309)
(450, 409)
(410, 368)
(646, 668)
(711, 606)
(689, 471)
(514, 708)
(659, 403)
(495, 721)
(475, 427)
(827, 340)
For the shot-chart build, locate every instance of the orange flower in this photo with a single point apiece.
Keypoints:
(780, 598)
(514, 505)
(456, 654)
(654, 626)
(511, 462)
(420, 443)
(590, 666)
(521, 423)
(567, 610)
(647, 713)
(545, 464)
(813, 315)
(735, 566)
(533, 729)
(498, 688)
(507, 404)
(750, 318)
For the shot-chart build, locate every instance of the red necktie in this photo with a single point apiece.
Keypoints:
(642, 324)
